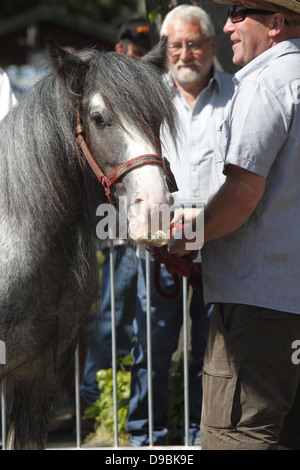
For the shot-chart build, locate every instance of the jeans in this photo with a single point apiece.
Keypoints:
(166, 322)
(99, 353)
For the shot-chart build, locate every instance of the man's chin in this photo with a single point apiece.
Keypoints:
(188, 77)
(188, 81)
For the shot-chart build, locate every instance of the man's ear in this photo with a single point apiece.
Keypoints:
(276, 25)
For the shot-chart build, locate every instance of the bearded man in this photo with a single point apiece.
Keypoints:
(200, 94)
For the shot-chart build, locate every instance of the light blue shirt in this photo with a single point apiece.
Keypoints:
(193, 163)
(259, 264)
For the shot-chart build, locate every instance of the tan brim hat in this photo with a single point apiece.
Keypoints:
(293, 5)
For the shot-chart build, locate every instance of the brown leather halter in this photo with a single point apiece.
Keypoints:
(108, 181)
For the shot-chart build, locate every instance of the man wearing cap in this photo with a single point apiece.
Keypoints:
(251, 253)
(134, 38)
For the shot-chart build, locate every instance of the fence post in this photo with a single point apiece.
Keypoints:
(3, 415)
(185, 361)
(114, 340)
(149, 348)
(77, 397)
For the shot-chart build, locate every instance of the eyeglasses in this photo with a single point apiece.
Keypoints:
(238, 13)
(193, 46)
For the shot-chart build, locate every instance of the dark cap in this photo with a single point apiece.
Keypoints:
(135, 30)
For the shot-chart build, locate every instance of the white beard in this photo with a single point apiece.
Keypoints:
(184, 74)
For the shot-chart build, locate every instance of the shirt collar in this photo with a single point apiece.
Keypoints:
(264, 59)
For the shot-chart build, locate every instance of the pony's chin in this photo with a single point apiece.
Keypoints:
(158, 238)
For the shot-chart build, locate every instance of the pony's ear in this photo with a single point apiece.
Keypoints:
(68, 67)
(158, 55)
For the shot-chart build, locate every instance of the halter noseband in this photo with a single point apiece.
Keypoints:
(108, 181)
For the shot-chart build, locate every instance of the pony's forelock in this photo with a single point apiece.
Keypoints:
(149, 105)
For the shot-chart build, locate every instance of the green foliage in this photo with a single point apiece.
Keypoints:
(103, 409)
(153, 14)
(175, 413)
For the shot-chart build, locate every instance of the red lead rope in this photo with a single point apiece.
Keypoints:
(176, 266)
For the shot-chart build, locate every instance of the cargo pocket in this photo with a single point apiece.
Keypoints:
(221, 404)
(221, 396)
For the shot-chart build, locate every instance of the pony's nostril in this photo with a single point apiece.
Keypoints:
(137, 201)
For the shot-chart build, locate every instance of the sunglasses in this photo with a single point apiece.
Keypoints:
(238, 13)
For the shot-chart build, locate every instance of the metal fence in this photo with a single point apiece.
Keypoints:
(114, 365)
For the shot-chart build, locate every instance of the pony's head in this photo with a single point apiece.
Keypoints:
(122, 104)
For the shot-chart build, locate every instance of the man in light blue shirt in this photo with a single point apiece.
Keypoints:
(271, 150)
(192, 163)
(251, 254)
(200, 95)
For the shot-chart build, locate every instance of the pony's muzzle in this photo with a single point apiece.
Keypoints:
(150, 224)
(158, 238)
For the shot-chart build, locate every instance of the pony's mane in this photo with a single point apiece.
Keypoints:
(48, 204)
(38, 171)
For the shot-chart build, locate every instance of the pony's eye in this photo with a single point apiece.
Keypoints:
(98, 119)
